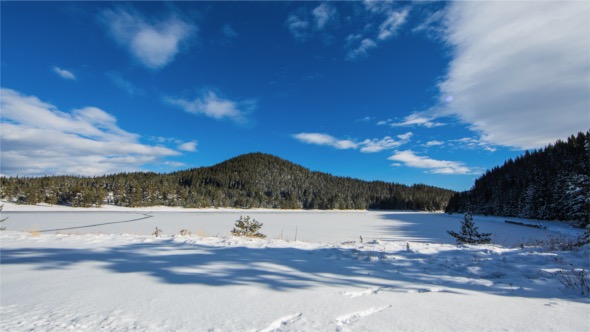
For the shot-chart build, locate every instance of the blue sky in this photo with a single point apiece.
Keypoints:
(408, 92)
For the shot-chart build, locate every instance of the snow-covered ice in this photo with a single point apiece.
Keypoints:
(80, 270)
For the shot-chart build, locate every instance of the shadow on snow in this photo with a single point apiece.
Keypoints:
(178, 261)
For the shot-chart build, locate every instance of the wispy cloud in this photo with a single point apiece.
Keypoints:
(325, 139)
(520, 71)
(362, 48)
(228, 31)
(304, 23)
(188, 146)
(38, 139)
(153, 43)
(298, 24)
(323, 15)
(63, 73)
(211, 105)
(392, 18)
(124, 84)
(431, 26)
(418, 119)
(365, 146)
(471, 143)
(433, 143)
(410, 159)
(386, 143)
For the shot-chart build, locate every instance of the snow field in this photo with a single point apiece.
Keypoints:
(92, 278)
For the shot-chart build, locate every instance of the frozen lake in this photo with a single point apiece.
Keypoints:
(100, 269)
(311, 226)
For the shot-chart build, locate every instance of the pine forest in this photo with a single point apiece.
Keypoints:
(254, 180)
(551, 184)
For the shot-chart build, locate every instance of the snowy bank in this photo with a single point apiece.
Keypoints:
(54, 282)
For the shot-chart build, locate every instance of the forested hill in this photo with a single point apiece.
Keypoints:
(254, 180)
(552, 183)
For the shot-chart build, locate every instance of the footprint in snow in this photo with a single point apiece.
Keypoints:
(367, 291)
(277, 324)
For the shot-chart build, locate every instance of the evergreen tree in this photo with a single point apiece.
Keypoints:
(469, 233)
(248, 228)
(552, 183)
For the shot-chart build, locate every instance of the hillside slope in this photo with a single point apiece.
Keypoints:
(253, 180)
(551, 184)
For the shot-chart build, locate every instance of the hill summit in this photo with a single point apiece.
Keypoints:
(254, 180)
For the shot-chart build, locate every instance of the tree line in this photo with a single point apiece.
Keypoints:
(254, 180)
(552, 183)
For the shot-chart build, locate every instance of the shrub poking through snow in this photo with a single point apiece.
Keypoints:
(2, 219)
(469, 233)
(185, 232)
(248, 228)
(585, 237)
(577, 280)
(157, 232)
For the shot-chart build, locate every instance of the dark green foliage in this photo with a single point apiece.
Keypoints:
(469, 233)
(551, 184)
(248, 228)
(249, 181)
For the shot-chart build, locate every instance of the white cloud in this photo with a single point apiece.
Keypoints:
(324, 139)
(410, 159)
(378, 6)
(405, 136)
(153, 44)
(323, 15)
(304, 23)
(359, 44)
(213, 106)
(188, 146)
(434, 143)
(418, 119)
(394, 20)
(520, 73)
(298, 25)
(431, 25)
(366, 146)
(470, 143)
(39, 139)
(63, 73)
(362, 49)
(386, 143)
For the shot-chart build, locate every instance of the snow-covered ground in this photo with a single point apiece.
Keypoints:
(83, 270)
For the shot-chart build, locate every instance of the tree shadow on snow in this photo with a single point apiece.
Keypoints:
(176, 262)
(179, 261)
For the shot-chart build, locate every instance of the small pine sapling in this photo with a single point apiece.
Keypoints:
(469, 233)
(247, 228)
(157, 232)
